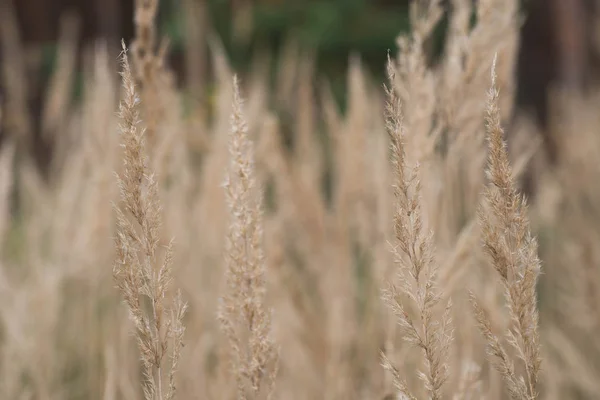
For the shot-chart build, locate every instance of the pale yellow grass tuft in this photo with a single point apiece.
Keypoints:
(243, 315)
(512, 249)
(414, 253)
(143, 279)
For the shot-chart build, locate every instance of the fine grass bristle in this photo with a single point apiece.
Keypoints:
(512, 249)
(244, 317)
(139, 273)
(414, 253)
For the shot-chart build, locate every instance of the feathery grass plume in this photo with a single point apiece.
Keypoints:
(414, 251)
(143, 279)
(513, 252)
(242, 313)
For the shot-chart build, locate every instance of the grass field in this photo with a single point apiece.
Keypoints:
(266, 245)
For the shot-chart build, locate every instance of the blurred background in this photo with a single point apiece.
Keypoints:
(557, 39)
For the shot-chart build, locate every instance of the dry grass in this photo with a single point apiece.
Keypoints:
(221, 227)
(143, 279)
(418, 275)
(513, 251)
(243, 316)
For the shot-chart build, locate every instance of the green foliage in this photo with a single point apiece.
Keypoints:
(329, 29)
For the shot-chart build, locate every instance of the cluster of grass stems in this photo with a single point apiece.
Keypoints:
(266, 245)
